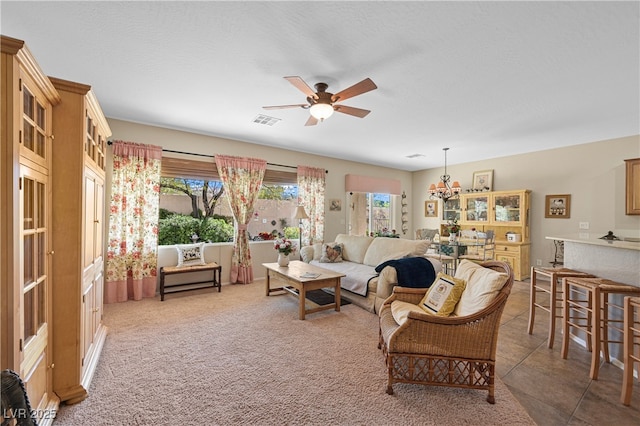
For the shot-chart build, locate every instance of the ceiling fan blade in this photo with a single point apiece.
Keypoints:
(286, 106)
(358, 112)
(312, 121)
(357, 89)
(302, 86)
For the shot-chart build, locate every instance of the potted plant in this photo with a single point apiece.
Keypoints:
(285, 247)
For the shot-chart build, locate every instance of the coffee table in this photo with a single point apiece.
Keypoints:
(294, 282)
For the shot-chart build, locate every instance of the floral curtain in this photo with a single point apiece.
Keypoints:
(311, 190)
(242, 179)
(132, 251)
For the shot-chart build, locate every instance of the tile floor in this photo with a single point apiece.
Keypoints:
(555, 391)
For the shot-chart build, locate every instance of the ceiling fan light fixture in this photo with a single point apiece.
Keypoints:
(321, 111)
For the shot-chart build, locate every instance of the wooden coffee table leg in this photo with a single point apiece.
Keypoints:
(337, 295)
(267, 281)
(303, 297)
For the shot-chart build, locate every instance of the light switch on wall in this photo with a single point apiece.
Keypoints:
(584, 225)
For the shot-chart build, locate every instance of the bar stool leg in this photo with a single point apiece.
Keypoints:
(565, 322)
(596, 332)
(628, 342)
(532, 300)
(605, 327)
(553, 310)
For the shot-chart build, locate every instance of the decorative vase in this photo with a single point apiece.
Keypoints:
(453, 236)
(283, 259)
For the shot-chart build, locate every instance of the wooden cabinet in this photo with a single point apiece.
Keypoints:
(451, 210)
(503, 212)
(632, 188)
(26, 285)
(78, 228)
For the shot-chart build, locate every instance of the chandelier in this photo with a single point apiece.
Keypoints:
(443, 190)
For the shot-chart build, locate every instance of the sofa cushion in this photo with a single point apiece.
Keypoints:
(483, 285)
(381, 247)
(190, 254)
(357, 275)
(331, 253)
(400, 310)
(355, 246)
(443, 295)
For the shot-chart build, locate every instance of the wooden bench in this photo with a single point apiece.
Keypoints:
(175, 288)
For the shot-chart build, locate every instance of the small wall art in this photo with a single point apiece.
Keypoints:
(557, 206)
(335, 205)
(431, 208)
(483, 180)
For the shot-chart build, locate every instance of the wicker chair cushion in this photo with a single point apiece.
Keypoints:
(483, 285)
(443, 295)
(400, 310)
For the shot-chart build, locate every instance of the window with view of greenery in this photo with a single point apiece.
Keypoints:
(196, 210)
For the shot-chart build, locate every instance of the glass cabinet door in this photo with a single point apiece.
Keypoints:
(507, 208)
(451, 210)
(476, 208)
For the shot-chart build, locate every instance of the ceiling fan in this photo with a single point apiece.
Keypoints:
(321, 103)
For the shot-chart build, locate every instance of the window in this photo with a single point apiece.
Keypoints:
(371, 214)
(193, 205)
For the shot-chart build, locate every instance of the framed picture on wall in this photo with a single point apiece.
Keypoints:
(557, 206)
(483, 180)
(335, 205)
(431, 208)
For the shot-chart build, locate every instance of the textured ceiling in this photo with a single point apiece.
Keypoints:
(487, 79)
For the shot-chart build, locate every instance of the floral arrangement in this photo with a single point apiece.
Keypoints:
(266, 236)
(453, 226)
(284, 246)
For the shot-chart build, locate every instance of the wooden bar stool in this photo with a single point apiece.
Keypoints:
(586, 307)
(554, 290)
(631, 345)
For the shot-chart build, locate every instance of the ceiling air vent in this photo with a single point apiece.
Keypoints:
(266, 120)
(415, 155)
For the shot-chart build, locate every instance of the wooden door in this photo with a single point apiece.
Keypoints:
(34, 213)
(35, 287)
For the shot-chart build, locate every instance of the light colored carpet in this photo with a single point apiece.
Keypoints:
(240, 357)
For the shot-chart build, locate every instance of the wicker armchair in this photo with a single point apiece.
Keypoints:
(443, 351)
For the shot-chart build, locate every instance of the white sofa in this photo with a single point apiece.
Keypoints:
(360, 257)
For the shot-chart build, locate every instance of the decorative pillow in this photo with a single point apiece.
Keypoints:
(190, 254)
(443, 295)
(331, 253)
(354, 246)
(483, 285)
(400, 310)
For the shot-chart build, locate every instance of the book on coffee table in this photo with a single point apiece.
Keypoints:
(310, 275)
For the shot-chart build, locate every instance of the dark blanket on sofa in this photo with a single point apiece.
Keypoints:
(416, 272)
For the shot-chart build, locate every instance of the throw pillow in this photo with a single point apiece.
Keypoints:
(331, 253)
(443, 295)
(400, 310)
(190, 254)
(483, 286)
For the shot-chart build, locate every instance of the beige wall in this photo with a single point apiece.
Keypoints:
(593, 173)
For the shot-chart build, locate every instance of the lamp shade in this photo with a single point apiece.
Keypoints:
(300, 213)
(321, 110)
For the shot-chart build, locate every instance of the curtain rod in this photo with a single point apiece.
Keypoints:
(213, 156)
